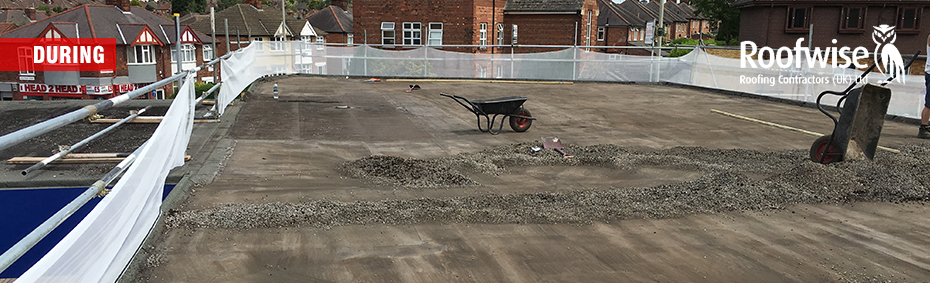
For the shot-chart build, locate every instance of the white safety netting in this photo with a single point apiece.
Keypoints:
(103, 243)
(696, 68)
(727, 74)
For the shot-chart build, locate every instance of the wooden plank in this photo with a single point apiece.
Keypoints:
(208, 102)
(33, 160)
(149, 119)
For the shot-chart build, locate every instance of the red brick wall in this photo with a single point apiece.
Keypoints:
(542, 30)
(457, 16)
(492, 13)
(336, 38)
(765, 26)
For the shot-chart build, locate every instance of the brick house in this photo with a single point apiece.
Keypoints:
(144, 47)
(252, 23)
(624, 24)
(396, 23)
(779, 23)
(550, 22)
(676, 23)
(336, 22)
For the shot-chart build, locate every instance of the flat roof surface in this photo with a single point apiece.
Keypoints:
(284, 207)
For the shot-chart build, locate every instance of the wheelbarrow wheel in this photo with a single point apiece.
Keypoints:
(821, 144)
(520, 124)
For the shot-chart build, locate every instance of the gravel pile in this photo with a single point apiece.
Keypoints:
(735, 180)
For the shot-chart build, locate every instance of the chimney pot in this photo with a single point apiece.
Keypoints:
(30, 13)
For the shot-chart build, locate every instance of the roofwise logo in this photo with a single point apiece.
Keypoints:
(30, 55)
(888, 56)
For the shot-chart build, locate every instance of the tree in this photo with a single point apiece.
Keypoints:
(228, 3)
(136, 3)
(724, 18)
(58, 9)
(187, 6)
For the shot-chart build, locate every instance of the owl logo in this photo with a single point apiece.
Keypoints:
(890, 61)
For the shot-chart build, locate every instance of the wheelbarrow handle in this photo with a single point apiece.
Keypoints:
(470, 106)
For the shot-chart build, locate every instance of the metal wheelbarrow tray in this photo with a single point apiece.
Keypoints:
(510, 106)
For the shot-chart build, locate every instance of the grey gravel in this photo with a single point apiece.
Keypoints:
(734, 180)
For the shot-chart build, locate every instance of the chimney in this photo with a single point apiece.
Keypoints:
(344, 4)
(31, 14)
(255, 3)
(121, 4)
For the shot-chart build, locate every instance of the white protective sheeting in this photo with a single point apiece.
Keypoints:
(727, 74)
(102, 244)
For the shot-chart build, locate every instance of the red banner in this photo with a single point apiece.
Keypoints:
(30, 55)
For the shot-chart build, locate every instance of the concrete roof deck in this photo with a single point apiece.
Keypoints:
(289, 151)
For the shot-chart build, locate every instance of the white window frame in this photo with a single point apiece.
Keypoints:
(133, 50)
(483, 35)
(350, 39)
(600, 33)
(388, 34)
(500, 34)
(187, 53)
(587, 38)
(413, 33)
(278, 43)
(26, 64)
(320, 43)
(208, 53)
(435, 34)
(482, 71)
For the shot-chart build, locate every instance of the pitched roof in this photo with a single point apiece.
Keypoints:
(611, 14)
(100, 21)
(66, 4)
(18, 17)
(543, 5)
(246, 17)
(6, 27)
(332, 19)
(639, 11)
(668, 16)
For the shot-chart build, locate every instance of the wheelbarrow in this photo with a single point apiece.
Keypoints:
(856, 131)
(510, 106)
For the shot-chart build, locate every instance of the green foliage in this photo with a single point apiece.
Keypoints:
(678, 52)
(42, 8)
(136, 3)
(188, 6)
(223, 4)
(724, 18)
(200, 88)
(58, 9)
(317, 4)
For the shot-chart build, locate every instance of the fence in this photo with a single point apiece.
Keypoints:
(570, 63)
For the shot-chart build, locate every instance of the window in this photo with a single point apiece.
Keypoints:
(387, 33)
(320, 43)
(798, 19)
(513, 38)
(500, 34)
(350, 39)
(256, 39)
(600, 34)
(482, 71)
(483, 34)
(187, 53)
(908, 20)
(412, 35)
(26, 64)
(851, 19)
(500, 71)
(140, 54)
(207, 53)
(435, 34)
(587, 37)
(277, 43)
